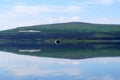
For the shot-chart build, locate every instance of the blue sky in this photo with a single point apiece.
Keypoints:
(16, 13)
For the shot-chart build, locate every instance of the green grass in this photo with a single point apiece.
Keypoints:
(75, 41)
(87, 30)
(69, 27)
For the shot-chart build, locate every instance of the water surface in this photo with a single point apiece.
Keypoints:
(22, 67)
(65, 51)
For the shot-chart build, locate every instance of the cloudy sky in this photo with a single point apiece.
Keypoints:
(16, 13)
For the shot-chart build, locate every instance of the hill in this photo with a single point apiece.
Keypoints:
(73, 32)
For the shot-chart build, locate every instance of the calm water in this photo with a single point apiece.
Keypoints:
(60, 62)
(21, 67)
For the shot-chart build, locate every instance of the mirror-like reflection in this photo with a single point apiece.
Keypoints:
(21, 67)
(68, 51)
(60, 62)
(29, 50)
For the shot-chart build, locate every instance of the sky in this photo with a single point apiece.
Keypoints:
(17, 13)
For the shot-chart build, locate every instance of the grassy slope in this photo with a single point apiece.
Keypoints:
(73, 27)
(63, 30)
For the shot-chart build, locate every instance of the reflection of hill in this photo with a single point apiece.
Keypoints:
(69, 51)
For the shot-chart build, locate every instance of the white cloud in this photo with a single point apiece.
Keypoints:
(75, 18)
(22, 15)
(97, 2)
(106, 2)
(38, 9)
(63, 19)
(106, 20)
(73, 8)
(25, 15)
(20, 65)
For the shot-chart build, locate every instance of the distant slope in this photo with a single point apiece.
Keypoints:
(75, 31)
(72, 26)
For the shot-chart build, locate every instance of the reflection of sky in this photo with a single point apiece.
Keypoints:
(20, 67)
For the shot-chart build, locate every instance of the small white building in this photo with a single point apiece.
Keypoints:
(33, 31)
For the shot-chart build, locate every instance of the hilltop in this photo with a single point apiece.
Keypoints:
(71, 26)
(72, 32)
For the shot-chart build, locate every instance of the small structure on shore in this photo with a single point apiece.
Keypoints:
(57, 42)
(30, 31)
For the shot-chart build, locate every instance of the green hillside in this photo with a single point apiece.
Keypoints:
(73, 32)
(72, 26)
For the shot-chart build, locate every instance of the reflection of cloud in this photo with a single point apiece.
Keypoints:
(19, 65)
(76, 62)
(28, 65)
(104, 60)
(26, 71)
(89, 77)
(105, 77)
